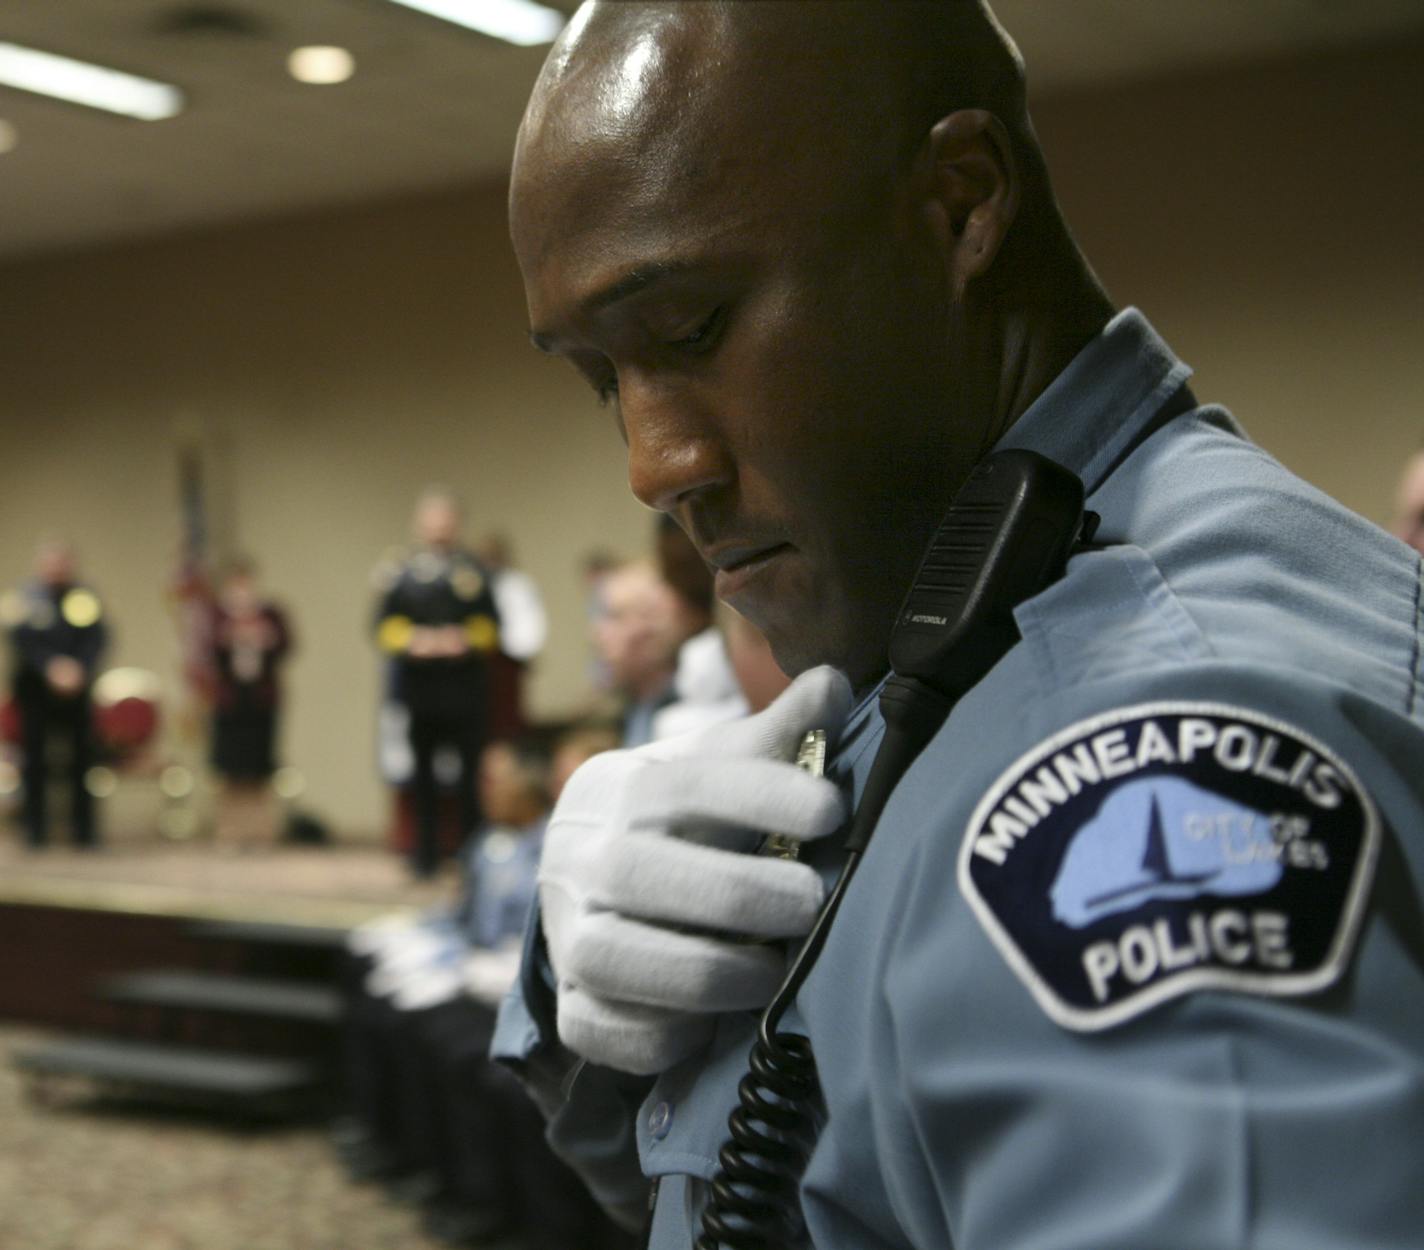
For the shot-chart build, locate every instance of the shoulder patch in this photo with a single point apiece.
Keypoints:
(1166, 848)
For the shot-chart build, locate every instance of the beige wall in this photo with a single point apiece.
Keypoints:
(337, 366)
(1267, 220)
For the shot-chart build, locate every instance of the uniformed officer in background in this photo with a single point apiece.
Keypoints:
(437, 622)
(57, 637)
(1135, 956)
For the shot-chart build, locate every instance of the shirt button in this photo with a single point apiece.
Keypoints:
(660, 1120)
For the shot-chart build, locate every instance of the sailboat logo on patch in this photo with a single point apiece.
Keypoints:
(1163, 837)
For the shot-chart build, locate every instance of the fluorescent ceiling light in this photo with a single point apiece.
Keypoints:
(82, 83)
(321, 64)
(515, 21)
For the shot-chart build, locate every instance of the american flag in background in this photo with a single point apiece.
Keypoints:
(192, 589)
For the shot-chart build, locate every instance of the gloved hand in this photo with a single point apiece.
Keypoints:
(648, 844)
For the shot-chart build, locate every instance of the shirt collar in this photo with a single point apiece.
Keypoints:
(1104, 402)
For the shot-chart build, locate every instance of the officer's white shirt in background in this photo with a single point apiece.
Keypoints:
(523, 623)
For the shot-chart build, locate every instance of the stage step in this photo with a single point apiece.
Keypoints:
(301, 1001)
(172, 1069)
(266, 933)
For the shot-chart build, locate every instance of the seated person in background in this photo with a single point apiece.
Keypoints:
(636, 640)
(431, 1113)
(705, 688)
(250, 639)
(759, 677)
(438, 622)
(57, 635)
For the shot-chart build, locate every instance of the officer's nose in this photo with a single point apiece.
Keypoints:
(675, 449)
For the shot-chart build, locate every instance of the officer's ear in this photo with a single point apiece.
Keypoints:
(970, 181)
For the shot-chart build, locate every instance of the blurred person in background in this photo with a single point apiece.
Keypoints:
(759, 677)
(438, 623)
(595, 566)
(1409, 503)
(432, 1115)
(250, 641)
(523, 630)
(636, 638)
(705, 689)
(575, 745)
(58, 634)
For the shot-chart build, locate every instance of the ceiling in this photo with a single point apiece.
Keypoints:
(432, 105)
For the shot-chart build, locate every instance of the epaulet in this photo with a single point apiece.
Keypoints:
(80, 607)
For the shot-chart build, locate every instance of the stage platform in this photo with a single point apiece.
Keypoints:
(72, 920)
(333, 886)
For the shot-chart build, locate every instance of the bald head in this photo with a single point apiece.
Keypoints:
(863, 65)
(806, 97)
(793, 246)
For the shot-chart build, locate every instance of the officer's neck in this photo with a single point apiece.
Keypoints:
(1038, 322)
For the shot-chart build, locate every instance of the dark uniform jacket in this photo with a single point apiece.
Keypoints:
(431, 589)
(47, 622)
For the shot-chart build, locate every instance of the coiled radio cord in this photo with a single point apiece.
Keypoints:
(752, 1204)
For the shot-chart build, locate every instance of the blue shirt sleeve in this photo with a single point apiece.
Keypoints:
(1217, 1120)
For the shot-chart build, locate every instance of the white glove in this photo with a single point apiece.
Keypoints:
(490, 975)
(429, 987)
(372, 937)
(419, 948)
(645, 844)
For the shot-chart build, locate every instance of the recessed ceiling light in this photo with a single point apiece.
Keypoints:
(515, 21)
(79, 82)
(9, 137)
(321, 64)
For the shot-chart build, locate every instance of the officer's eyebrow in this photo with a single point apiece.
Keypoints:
(631, 283)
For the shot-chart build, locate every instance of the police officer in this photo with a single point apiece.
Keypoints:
(57, 635)
(1134, 956)
(437, 622)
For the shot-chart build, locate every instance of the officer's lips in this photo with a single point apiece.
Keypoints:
(738, 565)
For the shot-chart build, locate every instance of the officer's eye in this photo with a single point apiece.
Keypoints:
(703, 334)
(606, 389)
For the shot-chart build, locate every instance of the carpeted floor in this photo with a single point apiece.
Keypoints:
(87, 1175)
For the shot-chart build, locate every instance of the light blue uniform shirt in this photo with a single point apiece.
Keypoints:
(959, 1113)
(501, 869)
